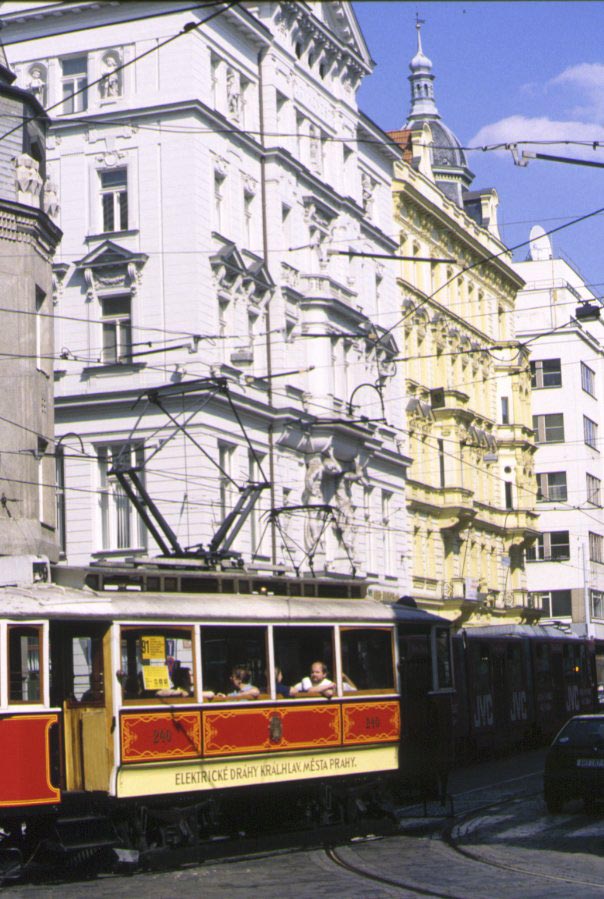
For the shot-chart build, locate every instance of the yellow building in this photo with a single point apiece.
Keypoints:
(471, 489)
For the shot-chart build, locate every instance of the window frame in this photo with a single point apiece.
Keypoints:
(541, 373)
(543, 549)
(543, 429)
(154, 628)
(111, 493)
(588, 380)
(590, 433)
(40, 629)
(75, 81)
(120, 324)
(118, 204)
(594, 489)
(545, 488)
(596, 547)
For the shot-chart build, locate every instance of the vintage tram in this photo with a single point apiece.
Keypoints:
(100, 748)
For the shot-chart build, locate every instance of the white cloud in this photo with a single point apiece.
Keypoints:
(524, 128)
(587, 79)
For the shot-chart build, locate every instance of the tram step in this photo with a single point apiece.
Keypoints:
(85, 833)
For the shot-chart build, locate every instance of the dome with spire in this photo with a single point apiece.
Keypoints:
(448, 160)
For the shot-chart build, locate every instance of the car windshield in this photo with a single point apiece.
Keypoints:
(582, 732)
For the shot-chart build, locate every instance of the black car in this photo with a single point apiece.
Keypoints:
(574, 764)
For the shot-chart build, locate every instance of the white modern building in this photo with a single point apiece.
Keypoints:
(215, 180)
(566, 564)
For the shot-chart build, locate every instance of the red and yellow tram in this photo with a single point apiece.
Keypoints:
(90, 717)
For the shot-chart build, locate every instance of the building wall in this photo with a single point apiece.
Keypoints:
(469, 527)
(238, 202)
(566, 576)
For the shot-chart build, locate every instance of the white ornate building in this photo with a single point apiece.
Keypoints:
(214, 181)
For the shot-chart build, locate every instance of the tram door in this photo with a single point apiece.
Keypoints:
(81, 686)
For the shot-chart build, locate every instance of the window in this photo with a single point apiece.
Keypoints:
(549, 428)
(597, 603)
(24, 655)
(593, 490)
(596, 547)
(588, 379)
(367, 659)
(509, 497)
(590, 432)
(60, 498)
(224, 648)
(121, 525)
(219, 181)
(114, 199)
(551, 487)
(248, 219)
(546, 373)
(553, 603)
(442, 654)
(155, 659)
(76, 664)
(74, 78)
(505, 410)
(553, 546)
(296, 648)
(387, 531)
(228, 489)
(117, 329)
(40, 329)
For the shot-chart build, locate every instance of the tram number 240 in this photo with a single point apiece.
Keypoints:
(161, 736)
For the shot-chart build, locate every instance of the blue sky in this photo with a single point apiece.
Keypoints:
(507, 71)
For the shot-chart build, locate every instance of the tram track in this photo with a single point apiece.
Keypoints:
(449, 839)
(438, 862)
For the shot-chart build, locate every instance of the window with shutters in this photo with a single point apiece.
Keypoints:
(552, 487)
(549, 428)
(553, 546)
(546, 373)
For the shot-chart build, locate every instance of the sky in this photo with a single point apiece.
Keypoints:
(507, 71)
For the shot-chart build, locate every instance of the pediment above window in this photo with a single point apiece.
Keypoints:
(238, 274)
(110, 267)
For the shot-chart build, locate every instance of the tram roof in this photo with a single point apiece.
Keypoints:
(56, 602)
(551, 631)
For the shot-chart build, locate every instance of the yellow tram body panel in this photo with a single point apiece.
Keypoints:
(238, 771)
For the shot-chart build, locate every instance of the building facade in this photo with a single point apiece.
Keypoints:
(566, 564)
(223, 201)
(470, 489)
(28, 238)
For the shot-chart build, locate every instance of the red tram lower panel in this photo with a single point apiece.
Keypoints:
(155, 736)
(234, 731)
(25, 771)
(371, 722)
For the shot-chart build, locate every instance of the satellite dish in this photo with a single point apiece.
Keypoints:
(540, 246)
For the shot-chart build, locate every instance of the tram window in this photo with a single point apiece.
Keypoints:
(24, 658)
(296, 648)
(150, 659)
(76, 665)
(543, 666)
(442, 650)
(224, 648)
(572, 661)
(483, 669)
(514, 661)
(367, 660)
